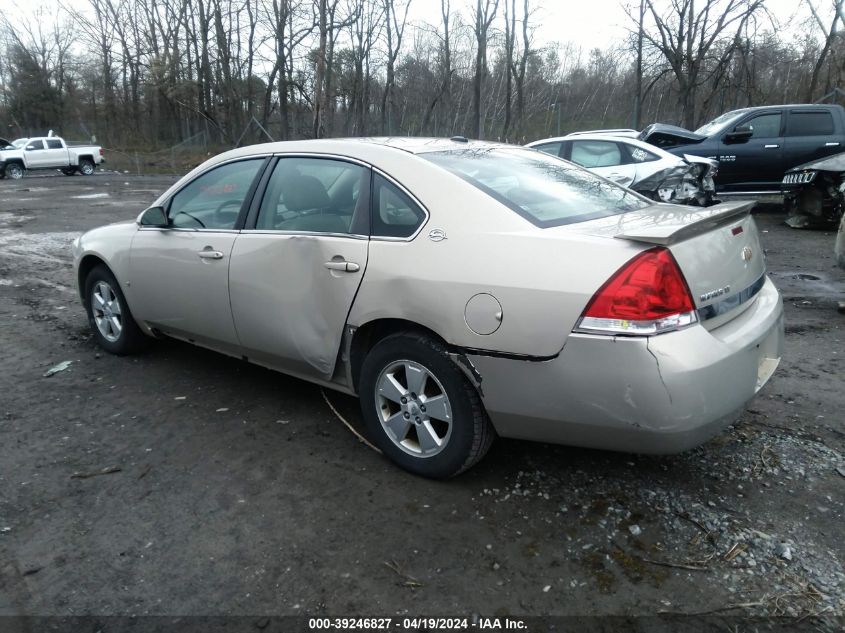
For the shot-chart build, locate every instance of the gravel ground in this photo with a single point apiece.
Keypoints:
(183, 482)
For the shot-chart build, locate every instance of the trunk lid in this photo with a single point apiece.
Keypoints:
(717, 248)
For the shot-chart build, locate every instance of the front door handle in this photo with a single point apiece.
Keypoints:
(831, 144)
(343, 266)
(772, 146)
(207, 253)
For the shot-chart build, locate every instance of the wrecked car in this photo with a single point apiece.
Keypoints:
(755, 146)
(646, 169)
(814, 193)
(461, 289)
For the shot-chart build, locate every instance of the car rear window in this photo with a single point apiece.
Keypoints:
(810, 124)
(544, 190)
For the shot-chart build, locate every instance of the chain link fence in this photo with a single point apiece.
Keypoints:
(181, 157)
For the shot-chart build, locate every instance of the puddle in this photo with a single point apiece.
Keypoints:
(90, 196)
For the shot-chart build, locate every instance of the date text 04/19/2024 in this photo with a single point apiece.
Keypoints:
(417, 623)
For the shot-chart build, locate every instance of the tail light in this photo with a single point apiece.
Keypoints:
(648, 295)
(101, 152)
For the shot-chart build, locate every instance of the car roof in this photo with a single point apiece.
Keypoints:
(420, 145)
(392, 155)
(375, 150)
(409, 144)
(595, 136)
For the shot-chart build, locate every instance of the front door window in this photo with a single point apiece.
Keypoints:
(214, 200)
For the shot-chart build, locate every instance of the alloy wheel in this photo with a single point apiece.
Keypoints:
(413, 408)
(105, 307)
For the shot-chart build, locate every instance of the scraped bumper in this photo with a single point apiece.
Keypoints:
(662, 394)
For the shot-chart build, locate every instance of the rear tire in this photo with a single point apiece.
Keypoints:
(86, 167)
(14, 171)
(441, 428)
(112, 323)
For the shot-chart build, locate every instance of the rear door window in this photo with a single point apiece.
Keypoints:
(592, 154)
(53, 143)
(809, 124)
(315, 195)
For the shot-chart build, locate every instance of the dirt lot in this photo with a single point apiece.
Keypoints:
(237, 491)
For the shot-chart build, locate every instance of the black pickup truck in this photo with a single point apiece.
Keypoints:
(755, 146)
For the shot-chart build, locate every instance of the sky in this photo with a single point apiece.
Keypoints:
(596, 23)
(586, 23)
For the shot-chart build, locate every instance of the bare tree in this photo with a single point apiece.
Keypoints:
(444, 93)
(685, 33)
(830, 34)
(394, 29)
(485, 13)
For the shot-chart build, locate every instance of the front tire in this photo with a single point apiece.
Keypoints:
(86, 167)
(420, 408)
(14, 171)
(111, 321)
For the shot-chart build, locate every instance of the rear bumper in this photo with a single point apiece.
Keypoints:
(662, 394)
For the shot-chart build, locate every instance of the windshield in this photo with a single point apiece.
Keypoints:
(720, 123)
(19, 142)
(544, 190)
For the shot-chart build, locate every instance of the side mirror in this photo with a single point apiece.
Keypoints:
(154, 216)
(740, 134)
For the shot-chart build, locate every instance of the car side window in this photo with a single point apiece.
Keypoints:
(764, 125)
(394, 213)
(53, 143)
(639, 155)
(550, 148)
(595, 153)
(214, 200)
(809, 124)
(34, 145)
(315, 195)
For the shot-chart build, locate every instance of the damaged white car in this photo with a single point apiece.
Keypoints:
(648, 170)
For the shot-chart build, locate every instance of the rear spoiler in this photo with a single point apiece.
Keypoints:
(684, 224)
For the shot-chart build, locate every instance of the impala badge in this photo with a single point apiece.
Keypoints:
(718, 292)
(437, 235)
(747, 253)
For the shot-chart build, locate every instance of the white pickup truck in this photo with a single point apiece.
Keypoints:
(47, 152)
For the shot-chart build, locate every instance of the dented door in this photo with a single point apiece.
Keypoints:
(290, 297)
(295, 272)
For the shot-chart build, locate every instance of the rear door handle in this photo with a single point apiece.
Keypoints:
(831, 144)
(210, 254)
(347, 267)
(771, 146)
